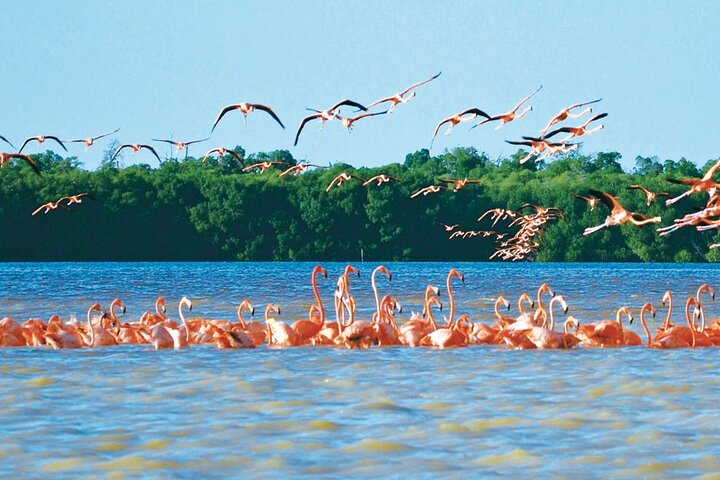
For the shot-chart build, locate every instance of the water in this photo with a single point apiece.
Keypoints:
(323, 412)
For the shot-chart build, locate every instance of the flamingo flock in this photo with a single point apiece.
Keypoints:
(533, 326)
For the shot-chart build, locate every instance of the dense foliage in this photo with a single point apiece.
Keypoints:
(185, 210)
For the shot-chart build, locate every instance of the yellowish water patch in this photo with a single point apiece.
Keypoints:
(4, 368)
(645, 437)
(563, 423)
(453, 428)
(26, 371)
(279, 425)
(480, 425)
(590, 459)
(62, 465)
(271, 463)
(281, 445)
(619, 425)
(322, 425)
(648, 388)
(116, 476)
(158, 444)
(599, 391)
(517, 457)
(181, 433)
(335, 382)
(437, 406)
(709, 476)
(39, 382)
(111, 447)
(134, 463)
(653, 468)
(371, 445)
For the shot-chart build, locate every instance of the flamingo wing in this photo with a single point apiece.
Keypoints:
(415, 85)
(475, 111)
(268, 110)
(347, 102)
(26, 142)
(609, 200)
(27, 160)
(711, 172)
(6, 141)
(222, 113)
(527, 142)
(577, 105)
(56, 139)
(148, 147)
(105, 134)
(526, 99)
(302, 125)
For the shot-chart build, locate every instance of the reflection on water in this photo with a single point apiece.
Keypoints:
(321, 412)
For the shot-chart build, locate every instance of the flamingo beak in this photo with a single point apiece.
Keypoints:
(252, 311)
(124, 309)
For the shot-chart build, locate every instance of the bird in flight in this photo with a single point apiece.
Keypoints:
(591, 201)
(540, 146)
(6, 141)
(135, 148)
(565, 113)
(6, 158)
(705, 184)
(457, 118)
(181, 145)
(343, 177)
(347, 122)
(428, 190)
(618, 214)
(508, 117)
(380, 179)
(298, 169)
(325, 115)
(46, 207)
(222, 152)
(449, 228)
(400, 96)
(579, 131)
(91, 140)
(41, 139)
(458, 184)
(262, 166)
(650, 196)
(71, 199)
(246, 108)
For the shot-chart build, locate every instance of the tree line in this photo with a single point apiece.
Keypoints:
(189, 211)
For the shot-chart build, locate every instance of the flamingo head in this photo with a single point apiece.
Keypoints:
(185, 302)
(504, 301)
(667, 297)
(383, 269)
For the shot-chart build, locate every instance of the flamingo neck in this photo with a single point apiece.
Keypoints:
(618, 319)
(666, 325)
(690, 322)
(182, 318)
(241, 320)
(317, 299)
(644, 325)
(451, 299)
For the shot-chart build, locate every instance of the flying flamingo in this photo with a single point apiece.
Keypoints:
(650, 196)
(565, 114)
(705, 184)
(246, 108)
(41, 139)
(308, 328)
(458, 184)
(458, 118)
(6, 158)
(512, 114)
(263, 166)
(580, 130)
(400, 96)
(6, 141)
(135, 148)
(298, 169)
(380, 179)
(448, 228)
(181, 145)
(46, 207)
(618, 215)
(348, 122)
(89, 142)
(428, 190)
(343, 177)
(325, 115)
(222, 152)
(591, 201)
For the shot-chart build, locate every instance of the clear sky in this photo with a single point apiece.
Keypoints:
(165, 68)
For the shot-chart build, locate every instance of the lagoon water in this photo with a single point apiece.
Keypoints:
(329, 413)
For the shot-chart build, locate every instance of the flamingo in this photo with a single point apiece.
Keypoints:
(343, 177)
(360, 333)
(11, 334)
(41, 139)
(508, 117)
(181, 145)
(415, 329)
(458, 184)
(618, 214)
(565, 113)
(6, 158)
(180, 336)
(483, 334)
(680, 336)
(705, 184)
(325, 115)
(299, 168)
(279, 334)
(649, 195)
(46, 207)
(545, 338)
(452, 335)
(380, 179)
(307, 329)
(263, 166)
(449, 228)
(458, 118)
(580, 130)
(453, 273)
(591, 201)
(91, 140)
(246, 108)
(135, 147)
(98, 334)
(606, 333)
(428, 190)
(348, 122)
(400, 96)
(254, 329)
(222, 152)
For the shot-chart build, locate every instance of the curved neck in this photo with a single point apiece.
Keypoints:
(666, 325)
(497, 308)
(92, 330)
(644, 324)
(241, 320)
(159, 311)
(451, 298)
(374, 287)
(317, 297)
(182, 318)
(689, 320)
(618, 317)
(113, 305)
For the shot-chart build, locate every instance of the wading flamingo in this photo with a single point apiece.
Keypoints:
(279, 334)
(307, 329)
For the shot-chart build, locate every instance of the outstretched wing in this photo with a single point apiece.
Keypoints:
(148, 147)
(526, 99)
(222, 113)
(27, 160)
(50, 137)
(269, 110)
(6, 141)
(302, 125)
(476, 111)
(577, 105)
(609, 201)
(526, 143)
(415, 85)
(347, 102)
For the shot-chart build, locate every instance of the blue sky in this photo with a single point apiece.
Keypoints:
(160, 69)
